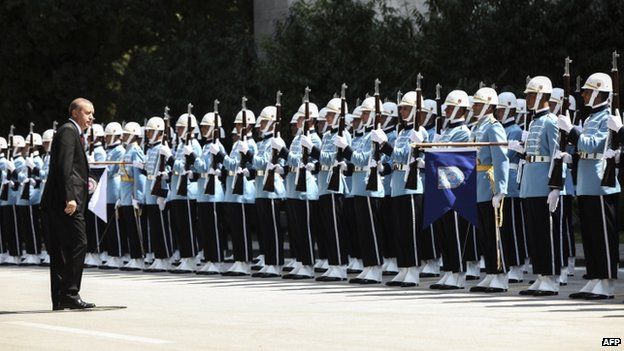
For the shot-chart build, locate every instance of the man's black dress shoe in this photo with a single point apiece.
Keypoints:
(597, 297)
(528, 292)
(301, 276)
(515, 281)
(355, 280)
(393, 283)
(436, 286)
(495, 290)
(579, 295)
(478, 288)
(450, 287)
(369, 281)
(408, 285)
(545, 293)
(429, 275)
(72, 303)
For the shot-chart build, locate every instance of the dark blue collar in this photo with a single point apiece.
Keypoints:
(540, 114)
(267, 136)
(456, 124)
(599, 109)
(509, 124)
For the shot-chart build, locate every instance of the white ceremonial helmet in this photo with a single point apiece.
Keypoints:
(48, 135)
(249, 116)
(598, 82)
(486, 96)
(572, 102)
(539, 85)
(457, 99)
(557, 98)
(3, 143)
(98, 130)
(18, 141)
(521, 106)
(313, 110)
(409, 99)
(132, 128)
(368, 105)
(183, 121)
(322, 114)
(269, 114)
(507, 101)
(431, 108)
(155, 123)
(334, 106)
(37, 141)
(295, 117)
(390, 109)
(113, 128)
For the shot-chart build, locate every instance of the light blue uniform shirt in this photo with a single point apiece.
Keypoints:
(294, 161)
(361, 152)
(488, 129)
(132, 178)
(260, 161)
(232, 163)
(179, 167)
(327, 159)
(152, 167)
(591, 139)
(401, 155)
(15, 192)
(514, 132)
(114, 153)
(202, 165)
(542, 141)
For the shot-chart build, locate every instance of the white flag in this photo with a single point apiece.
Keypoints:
(97, 204)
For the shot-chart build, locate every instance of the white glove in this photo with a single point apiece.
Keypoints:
(188, 149)
(372, 163)
(217, 172)
(566, 157)
(614, 123)
(515, 145)
(242, 147)
(90, 158)
(497, 199)
(117, 203)
(343, 165)
(163, 175)
(30, 162)
(564, 123)
(32, 182)
(165, 151)
(610, 153)
(436, 137)
(310, 167)
(279, 169)
(278, 143)
(213, 148)
(415, 137)
(161, 203)
(306, 142)
(525, 136)
(379, 136)
(188, 173)
(135, 204)
(10, 165)
(420, 163)
(553, 200)
(340, 141)
(137, 164)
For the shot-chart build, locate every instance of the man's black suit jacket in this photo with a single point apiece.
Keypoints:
(68, 171)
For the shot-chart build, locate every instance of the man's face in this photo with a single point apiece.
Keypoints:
(84, 115)
(365, 116)
(180, 131)
(329, 118)
(404, 111)
(530, 100)
(356, 123)
(477, 107)
(46, 146)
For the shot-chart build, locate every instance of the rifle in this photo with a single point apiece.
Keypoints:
(157, 189)
(556, 174)
(373, 175)
(411, 183)
(439, 119)
(4, 194)
(269, 180)
(613, 143)
(302, 185)
(216, 135)
(334, 180)
(145, 141)
(183, 181)
(237, 189)
(26, 189)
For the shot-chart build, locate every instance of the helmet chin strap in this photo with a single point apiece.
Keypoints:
(593, 97)
(152, 140)
(557, 109)
(386, 122)
(428, 117)
(454, 113)
(267, 127)
(482, 113)
(538, 98)
(208, 134)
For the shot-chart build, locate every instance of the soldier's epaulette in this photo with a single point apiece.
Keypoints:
(493, 120)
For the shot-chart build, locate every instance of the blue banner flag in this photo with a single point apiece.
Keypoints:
(450, 183)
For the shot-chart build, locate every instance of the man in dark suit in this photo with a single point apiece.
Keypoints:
(64, 201)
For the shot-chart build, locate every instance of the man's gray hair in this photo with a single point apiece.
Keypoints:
(77, 104)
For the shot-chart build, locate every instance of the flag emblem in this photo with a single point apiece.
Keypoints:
(450, 177)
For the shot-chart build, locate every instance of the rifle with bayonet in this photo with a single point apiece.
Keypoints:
(556, 174)
(269, 180)
(4, 194)
(373, 175)
(334, 180)
(302, 185)
(183, 181)
(609, 176)
(158, 190)
(26, 190)
(216, 136)
(411, 183)
(237, 188)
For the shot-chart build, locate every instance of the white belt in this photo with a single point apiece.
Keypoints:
(590, 156)
(513, 166)
(325, 168)
(359, 169)
(533, 159)
(400, 167)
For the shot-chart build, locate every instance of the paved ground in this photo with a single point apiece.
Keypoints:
(171, 312)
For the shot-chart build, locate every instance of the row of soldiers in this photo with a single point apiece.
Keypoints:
(351, 187)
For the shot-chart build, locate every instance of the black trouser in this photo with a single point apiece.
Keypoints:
(389, 225)
(349, 224)
(599, 229)
(408, 212)
(470, 244)
(292, 227)
(252, 226)
(158, 226)
(512, 233)
(145, 230)
(525, 232)
(369, 229)
(238, 217)
(112, 239)
(544, 243)
(451, 241)
(566, 226)
(130, 229)
(182, 219)
(68, 247)
(270, 231)
(28, 230)
(212, 238)
(330, 211)
(486, 232)
(317, 229)
(95, 228)
(303, 235)
(11, 232)
(428, 241)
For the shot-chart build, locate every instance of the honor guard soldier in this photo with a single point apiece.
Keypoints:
(492, 176)
(239, 203)
(367, 202)
(210, 194)
(523, 123)
(131, 199)
(539, 199)
(114, 153)
(456, 248)
(159, 160)
(598, 201)
(349, 217)
(512, 231)
(407, 202)
(29, 198)
(3, 176)
(10, 194)
(268, 201)
(183, 188)
(302, 190)
(332, 189)
(46, 138)
(95, 226)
